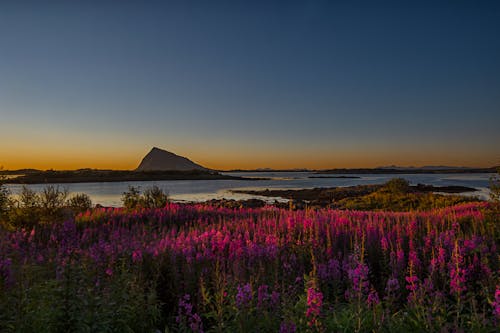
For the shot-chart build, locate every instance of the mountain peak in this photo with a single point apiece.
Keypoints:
(158, 149)
(162, 160)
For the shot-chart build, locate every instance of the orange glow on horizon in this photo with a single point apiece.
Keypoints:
(65, 160)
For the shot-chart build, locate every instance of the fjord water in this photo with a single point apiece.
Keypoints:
(109, 194)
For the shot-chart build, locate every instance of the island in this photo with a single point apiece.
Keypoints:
(94, 176)
(395, 195)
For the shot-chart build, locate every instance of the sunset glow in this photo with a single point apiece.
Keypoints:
(312, 85)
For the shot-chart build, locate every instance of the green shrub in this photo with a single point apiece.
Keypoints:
(495, 187)
(25, 211)
(52, 202)
(4, 200)
(397, 186)
(131, 197)
(79, 203)
(30, 208)
(153, 197)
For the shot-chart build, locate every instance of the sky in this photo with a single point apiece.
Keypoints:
(250, 84)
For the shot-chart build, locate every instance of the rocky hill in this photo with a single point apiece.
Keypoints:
(161, 160)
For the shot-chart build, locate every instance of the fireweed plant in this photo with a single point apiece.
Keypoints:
(196, 268)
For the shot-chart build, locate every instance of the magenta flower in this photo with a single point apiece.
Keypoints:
(137, 256)
(457, 272)
(373, 298)
(314, 304)
(496, 303)
(109, 271)
(412, 283)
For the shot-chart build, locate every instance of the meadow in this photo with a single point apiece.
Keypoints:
(198, 268)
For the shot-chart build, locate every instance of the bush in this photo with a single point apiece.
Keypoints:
(4, 199)
(495, 187)
(131, 198)
(32, 208)
(153, 197)
(397, 186)
(52, 200)
(79, 203)
(28, 199)
(25, 211)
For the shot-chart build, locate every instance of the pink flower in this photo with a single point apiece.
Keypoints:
(137, 256)
(496, 303)
(412, 281)
(457, 272)
(314, 304)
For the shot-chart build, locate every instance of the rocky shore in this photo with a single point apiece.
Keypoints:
(344, 197)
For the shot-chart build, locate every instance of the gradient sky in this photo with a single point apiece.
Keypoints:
(313, 84)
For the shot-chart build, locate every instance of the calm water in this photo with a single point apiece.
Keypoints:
(109, 194)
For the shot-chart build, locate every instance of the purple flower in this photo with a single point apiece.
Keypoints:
(185, 316)
(330, 271)
(262, 295)
(358, 276)
(392, 286)
(287, 327)
(243, 296)
(373, 298)
(275, 299)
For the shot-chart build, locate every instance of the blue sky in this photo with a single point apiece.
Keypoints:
(250, 84)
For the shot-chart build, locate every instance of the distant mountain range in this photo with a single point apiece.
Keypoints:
(426, 167)
(382, 170)
(161, 160)
(408, 170)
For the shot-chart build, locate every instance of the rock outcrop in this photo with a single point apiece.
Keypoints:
(161, 160)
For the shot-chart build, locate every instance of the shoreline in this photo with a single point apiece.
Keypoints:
(109, 176)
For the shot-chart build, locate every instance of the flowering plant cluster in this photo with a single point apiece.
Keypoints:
(197, 267)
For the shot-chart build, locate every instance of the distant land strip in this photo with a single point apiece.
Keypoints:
(389, 170)
(96, 176)
(407, 170)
